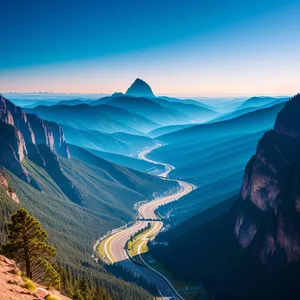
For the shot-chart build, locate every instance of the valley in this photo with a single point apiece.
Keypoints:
(164, 193)
(150, 150)
(115, 244)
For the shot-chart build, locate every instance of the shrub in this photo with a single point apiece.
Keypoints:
(29, 284)
(51, 297)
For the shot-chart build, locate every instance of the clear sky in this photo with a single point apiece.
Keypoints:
(180, 47)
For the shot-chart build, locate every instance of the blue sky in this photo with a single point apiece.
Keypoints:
(180, 47)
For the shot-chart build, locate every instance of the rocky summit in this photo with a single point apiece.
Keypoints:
(140, 89)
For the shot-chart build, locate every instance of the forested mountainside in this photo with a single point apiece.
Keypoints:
(77, 196)
(250, 251)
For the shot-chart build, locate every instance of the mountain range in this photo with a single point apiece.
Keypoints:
(247, 247)
(76, 195)
(74, 163)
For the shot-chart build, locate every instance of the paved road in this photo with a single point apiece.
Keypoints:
(115, 244)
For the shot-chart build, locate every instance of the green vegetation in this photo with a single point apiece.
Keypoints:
(26, 244)
(7, 207)
(52, 297)
(72, 228)
(137, 239)
(29, 284)
(80, 200)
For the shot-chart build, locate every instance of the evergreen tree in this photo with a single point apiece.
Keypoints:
(85, 289)
(66, 282)
(27, 246)
(101, 293)
(78, 295)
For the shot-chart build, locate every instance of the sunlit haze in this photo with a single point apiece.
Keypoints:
(178, 47)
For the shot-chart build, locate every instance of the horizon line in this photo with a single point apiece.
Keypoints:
(156, 95)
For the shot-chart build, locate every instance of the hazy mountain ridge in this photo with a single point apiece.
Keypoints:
(251, 251)
(105, 118)
(248, 123)
(261, 101)
(119, 143)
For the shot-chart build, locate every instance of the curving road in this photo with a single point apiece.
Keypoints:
(114, 246)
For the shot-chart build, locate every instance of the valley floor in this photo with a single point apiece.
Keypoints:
(114, 247)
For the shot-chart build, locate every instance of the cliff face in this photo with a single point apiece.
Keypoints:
(20, 135)
(4, 183)
(12, 150)
(268, 217)
(58, 138)
(33, 129)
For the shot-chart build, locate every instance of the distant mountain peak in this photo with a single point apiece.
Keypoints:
(140, 88)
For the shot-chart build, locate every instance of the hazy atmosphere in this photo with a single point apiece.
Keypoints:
(195, 48)
(150, 150)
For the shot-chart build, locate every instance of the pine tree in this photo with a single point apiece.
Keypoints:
(100, 293)
(78, 295)
(85, 289)
(27, 246)
(66, 282)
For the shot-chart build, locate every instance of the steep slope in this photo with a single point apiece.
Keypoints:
(252, 251)
(21, 135)
(140, 88)
(103, 118)
(115, 184)
(77, 197)
(268, 221)
(73, 229)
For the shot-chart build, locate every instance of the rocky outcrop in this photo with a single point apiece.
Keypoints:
(4, 183)
(12, 286)
(15, 116)
(33, 129)
(12, 150)
(20, 135)
(268, 218)
(58, 139)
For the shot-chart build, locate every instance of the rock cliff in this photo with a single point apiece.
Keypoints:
(20, 136)
(268, 217)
